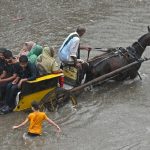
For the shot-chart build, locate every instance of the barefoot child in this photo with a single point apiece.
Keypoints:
(36, 118)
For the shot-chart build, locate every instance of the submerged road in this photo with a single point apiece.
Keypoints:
(113, 116)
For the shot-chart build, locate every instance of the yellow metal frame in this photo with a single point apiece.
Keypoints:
(46, 77)
(70, 73)
(25, 101)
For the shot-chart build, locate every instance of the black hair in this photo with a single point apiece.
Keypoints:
(23, 59)
(8, 54)
(35, 105)
(2, 49)
(80, 29)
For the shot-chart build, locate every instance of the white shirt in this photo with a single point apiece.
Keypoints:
(70, 49)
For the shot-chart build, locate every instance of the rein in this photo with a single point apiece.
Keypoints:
(105, 59)
(140, 45)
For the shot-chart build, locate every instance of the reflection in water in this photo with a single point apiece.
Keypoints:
(111, 116)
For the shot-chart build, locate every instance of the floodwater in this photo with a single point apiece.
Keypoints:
(114, 116)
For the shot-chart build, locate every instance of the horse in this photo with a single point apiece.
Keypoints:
(118, 57)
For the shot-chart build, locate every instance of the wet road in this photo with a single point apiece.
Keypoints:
(109, 117)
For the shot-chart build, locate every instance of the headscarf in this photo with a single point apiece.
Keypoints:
(47, 52)
(30, 45)
(34, 53)
(26, 48)
(47, 61)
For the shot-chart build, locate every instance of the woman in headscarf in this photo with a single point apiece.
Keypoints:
(31, 50)
(27, 46)
(34, 52)
(46, 62)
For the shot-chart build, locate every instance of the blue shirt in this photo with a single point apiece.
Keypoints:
(70, 49)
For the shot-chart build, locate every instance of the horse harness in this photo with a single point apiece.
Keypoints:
(121, 52)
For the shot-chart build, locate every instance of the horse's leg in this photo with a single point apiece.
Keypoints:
(81, 72)
(89, 76)
(121, 76)
(134, 71)
(131, 73)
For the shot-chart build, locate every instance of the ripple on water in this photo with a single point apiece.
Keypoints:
(112, 116)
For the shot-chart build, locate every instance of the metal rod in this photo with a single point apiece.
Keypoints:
(105, 76)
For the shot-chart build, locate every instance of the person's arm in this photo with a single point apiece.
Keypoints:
(88, 48)
(76, 63)
(53, 123)
(73, 49)
(57, 71)
(3, 75)
(39, 59)
(22, 124)
(16, 80)
(33, 70)
(9, 79)
(55, 68)
(74, 60)
(21, 81)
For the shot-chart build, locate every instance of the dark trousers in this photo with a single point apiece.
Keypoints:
(11, 93)
(3, 91)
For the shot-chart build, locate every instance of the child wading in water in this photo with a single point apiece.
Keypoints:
(36, 118)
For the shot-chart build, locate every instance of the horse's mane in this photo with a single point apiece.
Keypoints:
(143, 39)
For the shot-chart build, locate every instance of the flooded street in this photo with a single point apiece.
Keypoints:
(115, 116)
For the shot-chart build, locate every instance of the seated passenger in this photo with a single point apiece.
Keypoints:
(34, 51)
(46, 62)
(27, 46)
(2, 63)
(2, 71)
(25, 71)
(8, 71)
(9, 67)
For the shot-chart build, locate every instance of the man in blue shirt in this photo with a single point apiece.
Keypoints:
(69, 51)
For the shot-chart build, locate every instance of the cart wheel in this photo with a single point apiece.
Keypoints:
(54, 99)
(48, 101)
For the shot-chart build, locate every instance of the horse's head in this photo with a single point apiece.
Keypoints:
(142, 43)
(145, 39)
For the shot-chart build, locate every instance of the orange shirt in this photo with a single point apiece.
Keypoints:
(36, 119)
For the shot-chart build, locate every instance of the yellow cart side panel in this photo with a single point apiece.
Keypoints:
(25, 102)
(70, 73)
(46, 77)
